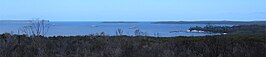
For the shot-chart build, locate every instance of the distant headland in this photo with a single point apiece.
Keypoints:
(21, 20)
(210, 22)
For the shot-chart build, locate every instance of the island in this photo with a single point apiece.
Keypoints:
(120, 22)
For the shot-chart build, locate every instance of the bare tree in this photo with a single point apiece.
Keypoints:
(138, 32)
(36, 28)
(156, 34)
(119, 32)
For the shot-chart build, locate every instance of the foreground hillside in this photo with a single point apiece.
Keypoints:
(232, 45)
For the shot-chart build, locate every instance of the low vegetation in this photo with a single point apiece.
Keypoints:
(250, 43)
(232, 30)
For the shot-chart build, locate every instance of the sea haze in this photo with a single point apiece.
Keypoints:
(109, 28)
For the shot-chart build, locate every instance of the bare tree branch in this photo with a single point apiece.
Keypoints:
(36, 28)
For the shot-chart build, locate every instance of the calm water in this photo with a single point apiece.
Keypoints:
(86, 28)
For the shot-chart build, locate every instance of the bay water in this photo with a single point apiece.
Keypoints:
(88, 28)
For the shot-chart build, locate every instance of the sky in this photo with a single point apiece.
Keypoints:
(134, 10)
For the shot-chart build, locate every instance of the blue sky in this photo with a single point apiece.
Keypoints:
(133, 10)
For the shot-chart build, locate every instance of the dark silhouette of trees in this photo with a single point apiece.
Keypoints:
(232, 30)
